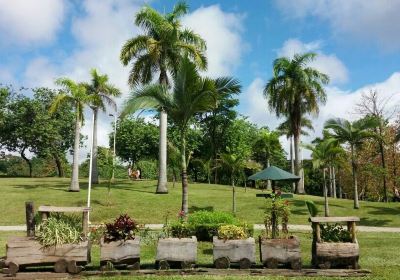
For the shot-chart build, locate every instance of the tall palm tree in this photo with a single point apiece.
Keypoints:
(159, 50)
(353, 134)
(103, 93)
(191, 94)
(294, 91)
(77, 95)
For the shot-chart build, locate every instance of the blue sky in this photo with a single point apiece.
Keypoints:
(357, 44)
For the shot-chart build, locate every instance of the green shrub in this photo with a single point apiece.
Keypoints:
(204, 224)
(179, 230)
(230, 232)
(334, 233)
(59, 229)
(312, 208)
(149, 169)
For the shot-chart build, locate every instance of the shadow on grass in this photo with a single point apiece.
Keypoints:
(383, 210)
(195, 208)
(374, 222)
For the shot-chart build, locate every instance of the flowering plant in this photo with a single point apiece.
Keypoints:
(123, 228)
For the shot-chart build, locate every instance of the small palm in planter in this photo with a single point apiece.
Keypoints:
(276, 245)
(119, 245)
(232, 245)
(179, 247)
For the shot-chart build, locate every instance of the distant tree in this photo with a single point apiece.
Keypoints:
(294, 91)
(353, 134)
(159, 50)
(135, 140)
(103, 93)
(77, 95)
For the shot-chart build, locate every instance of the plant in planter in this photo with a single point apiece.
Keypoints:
(233, 245)
(276, 245)
(179, 247)
(119, 245)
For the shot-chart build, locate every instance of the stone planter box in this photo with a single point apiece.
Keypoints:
(240, 251)
(329, 254)
(26, 252)
(176, 252)
(121, 253)
(276, 252)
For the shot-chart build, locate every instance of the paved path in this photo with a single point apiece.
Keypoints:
(256, 226)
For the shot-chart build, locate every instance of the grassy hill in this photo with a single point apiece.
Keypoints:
(139, 200)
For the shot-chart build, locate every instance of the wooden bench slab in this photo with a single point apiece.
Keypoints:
(334, 219)
(56, 209)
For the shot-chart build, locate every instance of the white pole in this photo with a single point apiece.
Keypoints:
(115, 135)
(90, 168)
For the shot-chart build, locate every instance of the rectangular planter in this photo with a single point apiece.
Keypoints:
(240, 251)
(329, 254)
(121, 252)
(172, 251)
(281, 251)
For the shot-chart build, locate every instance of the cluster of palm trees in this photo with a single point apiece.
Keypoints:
(95, 94)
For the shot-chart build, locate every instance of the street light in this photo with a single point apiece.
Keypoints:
(115, 134)
(90, 167)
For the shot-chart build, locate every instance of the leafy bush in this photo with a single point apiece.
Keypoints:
(205, 224)
(277, 210)
(123, 228)
(230, 232)
(59, 229)
(149, 169)
(312, 208)
(179, 230)
(334, 233)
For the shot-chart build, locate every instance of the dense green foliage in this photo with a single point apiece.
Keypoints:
(59, 229)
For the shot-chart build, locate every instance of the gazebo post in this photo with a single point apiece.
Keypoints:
(273, 186)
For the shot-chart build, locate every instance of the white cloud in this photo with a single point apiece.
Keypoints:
(222, 32)
(340, 104)
(373, 21)
(40, 72)
(326, 63)
(30, 21)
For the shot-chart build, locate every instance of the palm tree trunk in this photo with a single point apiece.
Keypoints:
(334, 181)
(330, 181)
(162, 146)
(27, 161)
(326, 195)
(269, 181)
(382, 152)
(95, 171)
(185, 203)
(74, 186)
(299, 184)
(354, 169)
(162, 157)
(292, 162)
(233, 194)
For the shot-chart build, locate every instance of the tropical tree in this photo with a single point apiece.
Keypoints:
(323, 155)
(77, 95)
(159, 50)
(235, 163)
(353, 134)
(285, 129)
(294, 91)
(191, 94)
(103, 93)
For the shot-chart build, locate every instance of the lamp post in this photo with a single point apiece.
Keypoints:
(115, 134)
(90, 167)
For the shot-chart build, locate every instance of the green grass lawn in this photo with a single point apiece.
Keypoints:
(140, 202)
(379, 253)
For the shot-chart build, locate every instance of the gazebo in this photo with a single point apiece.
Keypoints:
(274, 174)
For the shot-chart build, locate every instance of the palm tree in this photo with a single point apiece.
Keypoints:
(235, 164)
(159, 50)
(294, 91)
(77, 95)
(354, 134)
(103, 93)
(191, 94)
(285, 129)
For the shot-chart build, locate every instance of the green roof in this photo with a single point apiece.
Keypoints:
(275, 174)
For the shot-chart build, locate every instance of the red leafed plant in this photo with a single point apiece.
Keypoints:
(123, 228)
